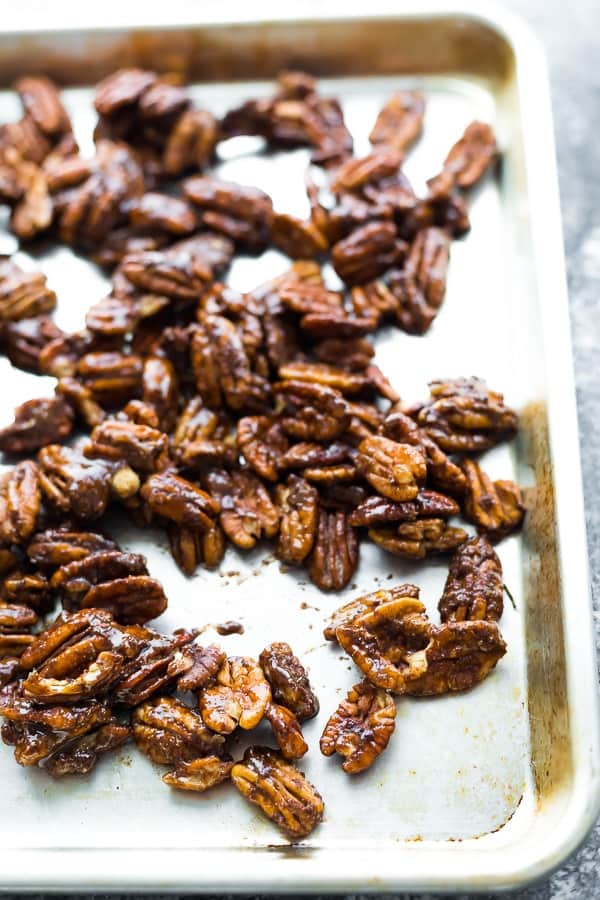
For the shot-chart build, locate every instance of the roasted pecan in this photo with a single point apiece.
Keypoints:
(199, 774)
(247, 511)
(190, 547)
(395, 470)
(23, 295)
(426, 505)
(34, 211)
(289, 680)
(191, 143)
(280, 790)
(112, 317)
(113, 378)
(202, 666)
(360, 728)
(9, 669)
(495, 507)
(367, 603)
(312, 412)
(467, 160)
(36, 424)
(73, 484)
(144, 449)
(160, 662)
(463, 415)
(354, 174)
(123, 88)
(168, 732)
(296, 238)
(416, 540)
(60, 546)
(367, 252)
(24, 339)
(473, 588)
(81, 400)
(287, 731)
(334, 557)
(440, 469)
(41, 101)
(420, 286)
(348, 383)
(162, 212)
(298, 503)
(263, 443)
(179, 500)
(30, 588)
(19, 502)
(81, 755)
(398, 649)
(400, 121)
(60, 356)
(160, 390)
(15, 618)
(220, 360)
(242, 213)
(353, 354)
(374, 299)
(238, 698)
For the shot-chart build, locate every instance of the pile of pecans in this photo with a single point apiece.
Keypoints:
(233, 418)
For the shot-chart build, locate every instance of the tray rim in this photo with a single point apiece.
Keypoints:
(114, 869)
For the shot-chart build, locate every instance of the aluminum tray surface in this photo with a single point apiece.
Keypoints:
(487, 788)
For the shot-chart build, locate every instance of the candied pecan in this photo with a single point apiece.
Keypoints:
(72, 483)
(353, 354)
(162, 99)
(348, 383)
(191, 142)
(442, 471)
(473, 588)
(312, 411)
(247, 511)
(334, 556)
(367, 603)
(308, 297)
(159, 663)
(289, 680)
(395, 470)
(81, 400)
(287, 731)
(467, 160)
(33, 213)
(23, 295)
(238, 698)
(179, 500)
(144, 449)
(24, 140)
(112, 317)
(19, 502)
(15, 618)
(162, 212)
(41, 101)
(296, 238)
(367, 252)
(37, 423)
(122, 88)
(168, 732)
(74, 579)
(131, 600)
(400, 121)
(112, 377)
(495, 507)
(203, 665)
(160, 390)
(242, 388)
(416, 540)
(30, 588)
(262, 442)
(326, 325)
(298, 503)
(360, 728)
(426, 505)
(398, 649)
(24, 339)
(14, 645)
(421, 285)
(60, 546)
(199, 774)
(355, 173)
(374, 300)
(280, 790)
(242, 213)
(463, 415)
(9, 669)
(190, 547)
(61, 356)
(80, 756)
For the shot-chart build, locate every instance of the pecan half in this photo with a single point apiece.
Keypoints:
(367, 252)
(467, 160)
(296, 238)
(41, 101)
(473, 588)
(37, 423)
(247, 511)
(142, 448)
(60, 546)
(159, 664)
(495, 507)
(334, 557)
(440, 469)
(420, 286)
(239, 697)
(81, 755)
(179, 500)
(416, 540)
(289, 680)
(113, 378)
(162, 212)
(395, 470)
(400, 121)
(262, 442)
(19, 502)
(199, 774)
(29, 588)
(24, 340)
(242, 213)
(360, 728)
(191, 143)
(23, 295)
(72, 483)
(367, 603)
(203, 665)
(190, 547)
(298, 504)
(287, 731)
(312, 412)
(168, 732)
(426, 505)
(280, 790)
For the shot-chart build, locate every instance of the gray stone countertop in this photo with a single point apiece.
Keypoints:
(570, 33)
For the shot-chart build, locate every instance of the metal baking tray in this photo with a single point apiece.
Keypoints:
(486, 790)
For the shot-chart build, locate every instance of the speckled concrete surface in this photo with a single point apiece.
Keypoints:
(571, 35)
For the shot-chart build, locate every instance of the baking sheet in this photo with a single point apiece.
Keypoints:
(465, 777)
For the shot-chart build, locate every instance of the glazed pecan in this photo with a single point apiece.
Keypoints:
(495, 507)
(296, 238)
(464, 415)
(334, 557)
(60, 546)
(143, 448)
(160, 390)
(113, 378)
(395, 470)
(23, 295)
(218, 353)
(162, 212)
(398, 649)
(287, 731)
(9, 669)
(263, 443)
(289, 680)
(242, 213)
(420, 286)
(374, 300)
(73, 484)
(416, 540)
(20, 500)
(467, 160)
(440, 469)
(122, 88)
(15, 618)
(247, 511)
(400, 121)
(112, 317)
(354, 354)
(203, 665)
(312, 412)
(199, 774)
(41, 101)
(190, 547)
(81, 755)
(426, 505)
(238, 698)
(367, 603)
(280, 790)
(473, 588)
(168, 732)
(24, 339)
(34, 211)
(367, 252)
(354, 174)
(159, 664)
(360, 728)
(298, 504)
(180, 501)
(191, 142)
(29, 588)
(36, 424)
(348, 383)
